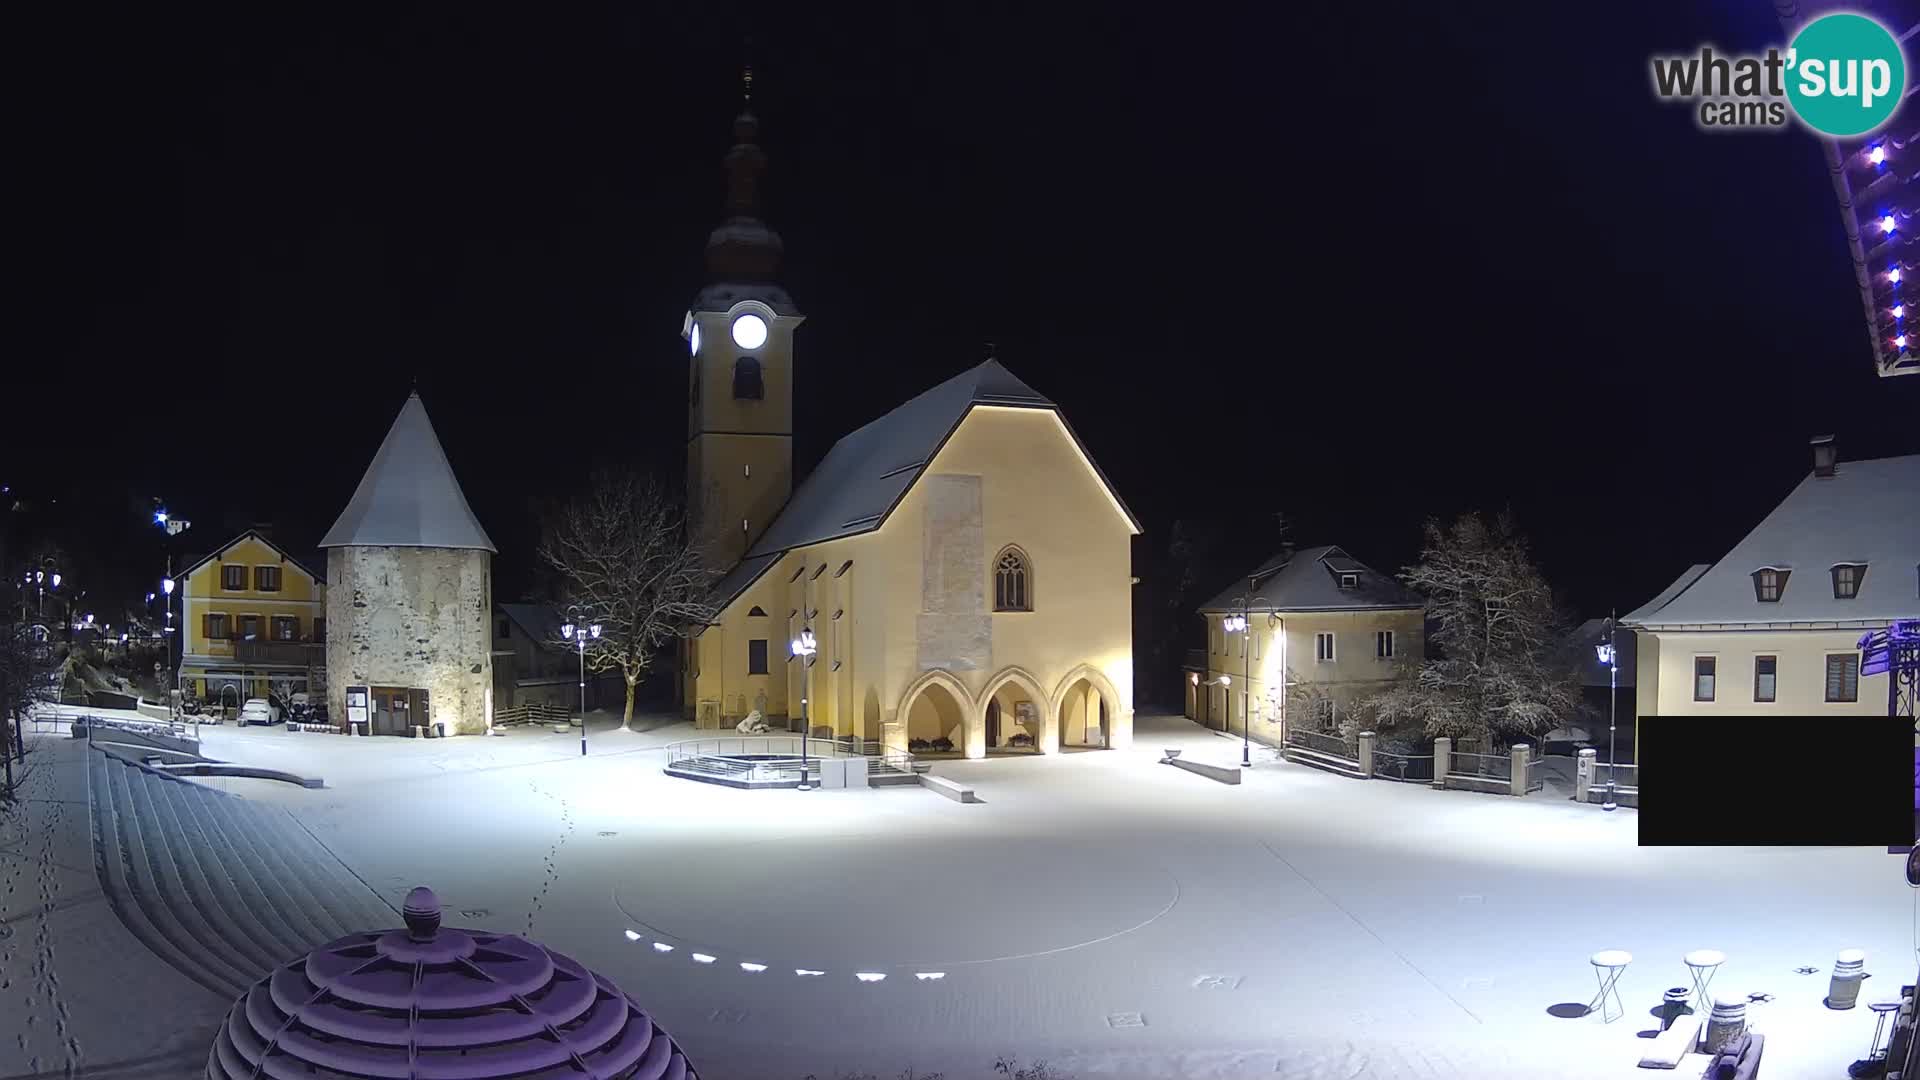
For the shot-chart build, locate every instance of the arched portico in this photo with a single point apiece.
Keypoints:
(1088, 711)
(937, 705)
(1005, 693)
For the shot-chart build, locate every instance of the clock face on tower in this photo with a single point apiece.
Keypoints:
(749, 331)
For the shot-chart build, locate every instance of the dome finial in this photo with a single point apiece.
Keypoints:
(422, 914)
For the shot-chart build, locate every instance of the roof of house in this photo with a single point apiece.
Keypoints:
(1867, 513)
(409, 497)
(1309, 580)
(541, 622)
(866, 474)
(1592, 671)
(257, 535)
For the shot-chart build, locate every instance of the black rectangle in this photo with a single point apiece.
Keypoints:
(1764, 781)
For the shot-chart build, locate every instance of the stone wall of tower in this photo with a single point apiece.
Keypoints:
(413, 617)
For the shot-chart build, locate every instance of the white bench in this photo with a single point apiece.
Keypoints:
(1226, 774)
(956, 792)
(1672, 1044)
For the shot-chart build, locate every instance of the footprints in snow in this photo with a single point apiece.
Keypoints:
(553, 853)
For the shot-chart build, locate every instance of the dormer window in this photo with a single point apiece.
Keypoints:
(1769, 582)
(1847, 578)
(1349, 581)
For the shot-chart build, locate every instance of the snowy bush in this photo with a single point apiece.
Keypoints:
(1022, 739)
(917, 745)
(942, 745)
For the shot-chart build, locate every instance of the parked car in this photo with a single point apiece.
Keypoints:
(258, 711)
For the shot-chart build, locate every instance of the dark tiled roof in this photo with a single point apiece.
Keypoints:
(541, 622)
(868, 472)
(1310, 581)
(196, 561)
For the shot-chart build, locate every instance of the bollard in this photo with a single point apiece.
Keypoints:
(1727, 1022)
(1366, 754)
(1583, 774)
(1519, 756)
(1442, 757)
(1674, 1006)
(1848, 973)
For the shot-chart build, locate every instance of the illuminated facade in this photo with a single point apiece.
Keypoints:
(962, 566)
(254, 621)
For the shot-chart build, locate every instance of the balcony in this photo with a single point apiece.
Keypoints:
(281, 653)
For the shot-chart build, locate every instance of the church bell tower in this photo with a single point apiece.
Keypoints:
(739, 335)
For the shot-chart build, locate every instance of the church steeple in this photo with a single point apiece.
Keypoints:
(743, 248)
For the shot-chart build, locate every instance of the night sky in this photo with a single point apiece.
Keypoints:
(1359, 266)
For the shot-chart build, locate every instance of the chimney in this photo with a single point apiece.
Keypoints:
(1826, 455)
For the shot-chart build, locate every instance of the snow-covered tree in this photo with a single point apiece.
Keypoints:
(622, 555)
(1502, 672)
(24, 663)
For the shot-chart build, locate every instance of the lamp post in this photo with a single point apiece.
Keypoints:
(804, 647)
(1237, 624)
(1608, 656)
(173, 695)
(578, 633)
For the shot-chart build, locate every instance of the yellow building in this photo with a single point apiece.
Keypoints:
(1775, 626)
(961, 565)
(253, 620)
(1318, 620)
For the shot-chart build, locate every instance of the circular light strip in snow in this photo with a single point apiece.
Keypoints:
(661, 946)
(631, 936)
(702, 958)
(749, 331)
(869, 976)
(755, 968)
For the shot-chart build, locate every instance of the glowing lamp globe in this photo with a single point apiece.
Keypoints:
(428, 1001)
(1899, 311)
(749, 331)
(1877, 155)
(166, 585)
(1887, 223)
(1893, 275)
(693, 340)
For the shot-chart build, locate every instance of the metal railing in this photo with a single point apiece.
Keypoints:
(767, 746)
(1536, 774)
(1323, 743)
(1412, 768)
(1626, 780)
(1495, 770)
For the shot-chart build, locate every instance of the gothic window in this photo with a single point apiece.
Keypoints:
(1012, 581)
(746, 379)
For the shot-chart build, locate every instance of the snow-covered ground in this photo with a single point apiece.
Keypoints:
(1114, 916)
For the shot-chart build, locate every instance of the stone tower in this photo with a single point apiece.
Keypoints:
(410, 586)
(739, 332)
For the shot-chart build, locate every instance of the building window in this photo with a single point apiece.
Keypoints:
(1843, 677)
(1323, 647)
(1383, 644)
(286, 628)
(1703, 675)
(756, 611)
(216, 626)
(1326, 714)
(266, 579)
(1349, 581)
(1846, 580)
(1765, 677)
(1012, 582)
(747, 384)
(319, 629)
(757, 656)
(233, 578)
(1768, 583)
(249, 628)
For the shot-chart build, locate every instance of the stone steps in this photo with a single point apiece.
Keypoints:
(221, 888)
(1300, 755)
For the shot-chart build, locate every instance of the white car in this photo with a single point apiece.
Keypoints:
(258, 711)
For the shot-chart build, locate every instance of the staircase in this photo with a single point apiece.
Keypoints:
(1301, 755)
(221, 888)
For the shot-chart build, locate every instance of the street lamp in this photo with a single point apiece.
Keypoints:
(1609, 656)
(804, 647)
(579, 634)
(1237, 624)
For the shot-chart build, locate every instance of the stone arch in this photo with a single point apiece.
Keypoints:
(962, 721)
(1070, 715)
(1047, 738)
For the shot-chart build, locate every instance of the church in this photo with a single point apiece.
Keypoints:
(954, 577)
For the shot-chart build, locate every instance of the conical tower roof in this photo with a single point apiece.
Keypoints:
(409, 497)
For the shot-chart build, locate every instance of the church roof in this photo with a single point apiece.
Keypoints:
(409, 497)
(869, 471)
(1865, 514)
(1309, 580)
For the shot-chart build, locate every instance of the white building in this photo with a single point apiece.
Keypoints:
(1775, 625)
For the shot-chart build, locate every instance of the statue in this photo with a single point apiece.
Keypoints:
(754, 724)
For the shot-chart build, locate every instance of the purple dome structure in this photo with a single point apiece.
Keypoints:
(428, 1003)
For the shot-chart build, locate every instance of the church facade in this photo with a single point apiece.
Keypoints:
(960, 567)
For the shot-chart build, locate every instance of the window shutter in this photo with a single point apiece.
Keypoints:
(206, 625)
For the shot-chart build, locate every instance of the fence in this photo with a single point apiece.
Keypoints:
(1626, 783)
(533, 712)
(1412, 768)
(1321, 742)
(763, 746)
(1480, 772)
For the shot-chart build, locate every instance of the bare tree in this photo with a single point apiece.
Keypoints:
(622, 553)
(24, 663)
(1502, 671)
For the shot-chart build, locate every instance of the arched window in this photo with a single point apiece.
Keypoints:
(746, 378)
(1012, 581)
